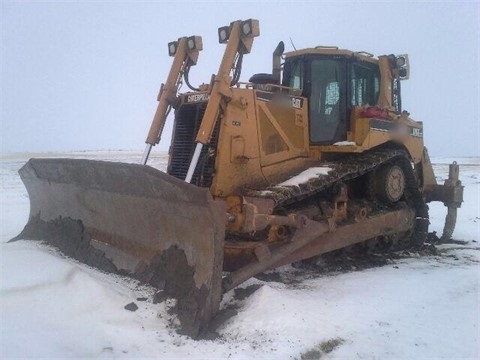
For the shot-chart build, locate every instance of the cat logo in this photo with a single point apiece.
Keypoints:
(296, 103)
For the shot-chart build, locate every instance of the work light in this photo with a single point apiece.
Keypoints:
(172, 48)
(403, 66)
(250, 28)
(246, 28)
(223, 34)
(194, 43)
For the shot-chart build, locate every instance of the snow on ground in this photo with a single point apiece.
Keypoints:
(414, 308)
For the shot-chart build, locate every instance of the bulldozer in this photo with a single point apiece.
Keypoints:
(316, 156)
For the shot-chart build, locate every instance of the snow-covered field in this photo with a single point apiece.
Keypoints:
(413, 308)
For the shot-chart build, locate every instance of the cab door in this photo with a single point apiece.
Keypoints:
(327, 100)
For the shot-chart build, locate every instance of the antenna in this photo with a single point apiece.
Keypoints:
(291, 42)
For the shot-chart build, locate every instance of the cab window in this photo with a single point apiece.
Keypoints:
(326, 101)
(365, 84)
(296, 76)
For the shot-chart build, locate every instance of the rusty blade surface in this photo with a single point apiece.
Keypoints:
(132, 219)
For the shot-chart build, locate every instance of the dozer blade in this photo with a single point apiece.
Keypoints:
(136, 220)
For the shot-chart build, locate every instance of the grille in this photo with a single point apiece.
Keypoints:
(187, 122)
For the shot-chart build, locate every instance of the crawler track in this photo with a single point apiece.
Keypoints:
(348, 169)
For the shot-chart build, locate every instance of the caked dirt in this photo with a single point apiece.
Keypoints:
(168, 272)
(320, 349)
(228, 311)
(68, 236)
(344, 260)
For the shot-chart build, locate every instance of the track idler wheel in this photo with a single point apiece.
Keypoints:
(389, 183)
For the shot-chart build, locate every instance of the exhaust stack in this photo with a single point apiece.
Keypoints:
(277, 61)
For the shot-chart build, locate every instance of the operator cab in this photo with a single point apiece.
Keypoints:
(334, 81)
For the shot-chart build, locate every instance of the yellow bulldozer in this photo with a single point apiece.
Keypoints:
(317, 155)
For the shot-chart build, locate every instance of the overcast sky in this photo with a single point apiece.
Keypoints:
(85, 75)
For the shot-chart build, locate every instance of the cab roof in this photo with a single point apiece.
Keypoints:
(333, 50)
